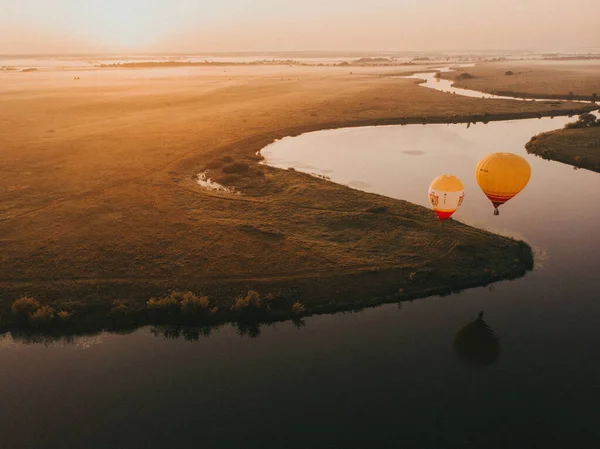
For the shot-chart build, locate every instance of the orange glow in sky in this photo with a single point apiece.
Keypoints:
(231, 25)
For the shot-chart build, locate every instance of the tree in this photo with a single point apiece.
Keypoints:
(586, 120)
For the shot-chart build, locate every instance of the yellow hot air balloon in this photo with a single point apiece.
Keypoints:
(446, 194)
(501, 176)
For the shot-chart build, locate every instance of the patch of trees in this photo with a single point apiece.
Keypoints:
(586, 120)
(372, 60)
(464, 76)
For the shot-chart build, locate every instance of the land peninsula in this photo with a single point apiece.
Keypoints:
(578, 144)
(100, 208)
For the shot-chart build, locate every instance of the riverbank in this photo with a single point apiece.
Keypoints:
(98, 206)
(577, 147)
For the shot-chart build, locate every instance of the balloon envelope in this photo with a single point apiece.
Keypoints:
(501, 176)
(446, 194)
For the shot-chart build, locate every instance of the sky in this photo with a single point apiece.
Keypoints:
(75, 26)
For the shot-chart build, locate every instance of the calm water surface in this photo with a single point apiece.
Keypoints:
(384, 377)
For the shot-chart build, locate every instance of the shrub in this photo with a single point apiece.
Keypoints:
(236, 168)
(64, 315)
(252, 300)
(586, 120)
(193, 304)
(25, 306)
(227, 159)
(43, 315)
(298, 308)
(186, 302)
(509, 72)
(166, 303)
(464, 76)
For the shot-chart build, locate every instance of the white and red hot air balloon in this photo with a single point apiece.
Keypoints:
(446, 194)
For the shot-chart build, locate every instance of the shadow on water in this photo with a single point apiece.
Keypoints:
(477, 344)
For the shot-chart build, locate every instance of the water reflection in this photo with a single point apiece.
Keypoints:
(193, 333)
(477, 344)
(16, 339)
(185, 332)
(249, 329)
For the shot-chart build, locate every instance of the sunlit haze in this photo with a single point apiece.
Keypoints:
(43, 26)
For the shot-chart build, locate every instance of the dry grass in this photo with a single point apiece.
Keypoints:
(579, 147)
(544, 79)
(97, 198)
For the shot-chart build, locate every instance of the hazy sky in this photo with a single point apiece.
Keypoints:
(229, 25)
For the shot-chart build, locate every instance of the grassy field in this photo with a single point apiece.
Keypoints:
(534, 79)
(98, 199)
(577, 147)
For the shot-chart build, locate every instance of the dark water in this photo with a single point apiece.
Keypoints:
(544, 388)
(384, 377)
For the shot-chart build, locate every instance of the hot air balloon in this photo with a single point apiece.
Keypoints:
(446, 194)
(477, 343)
(501, 176)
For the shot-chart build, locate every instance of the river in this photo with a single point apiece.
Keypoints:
(384, 377)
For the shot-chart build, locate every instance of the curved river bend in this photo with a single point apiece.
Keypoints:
(384, 377)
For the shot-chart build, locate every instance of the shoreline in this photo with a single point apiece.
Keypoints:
(579, 148)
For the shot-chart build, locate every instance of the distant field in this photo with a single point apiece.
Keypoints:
(98, 199)
(538, 78)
